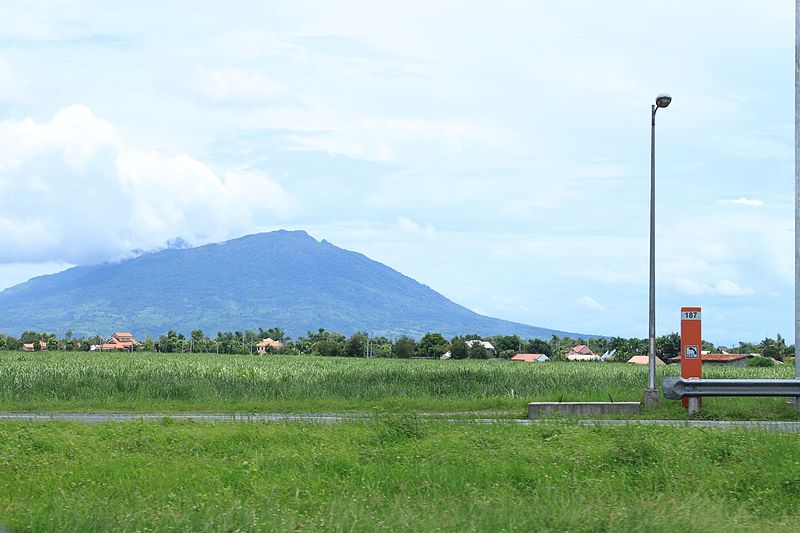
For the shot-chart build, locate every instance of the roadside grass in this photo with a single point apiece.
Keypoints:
(151, 382)
(395, 474)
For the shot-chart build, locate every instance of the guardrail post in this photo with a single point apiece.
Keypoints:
(693, 405)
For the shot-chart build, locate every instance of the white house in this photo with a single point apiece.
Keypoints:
(581, 352)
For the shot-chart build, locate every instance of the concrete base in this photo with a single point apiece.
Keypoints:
(694, 405)
(545, 409)
(651, 397)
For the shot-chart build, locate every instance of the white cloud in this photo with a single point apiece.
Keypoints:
(752, 146)
(723, 287)
(754, 246)
(726, 287)
(381, 138)
(405, 225)
(251, 43)
(13, 83)
(234, 86)
(590, 304)
(742, 201)
(80, 194)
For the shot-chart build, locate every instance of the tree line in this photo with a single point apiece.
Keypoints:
(361, 344)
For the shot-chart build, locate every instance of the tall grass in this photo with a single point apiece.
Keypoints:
(396, 475)
(149, 381)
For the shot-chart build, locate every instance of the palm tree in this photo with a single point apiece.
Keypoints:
(782, 350)
(769, 348)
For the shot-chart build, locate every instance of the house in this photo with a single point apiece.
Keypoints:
(268, 343)
(644, 359)
(121, 340)
(531, 357)
(608, 355)
(28, 347)
(581, 352)
(486, 346)
(730, 359)
(580, 349)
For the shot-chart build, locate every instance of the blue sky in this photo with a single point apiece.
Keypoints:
(495, 151)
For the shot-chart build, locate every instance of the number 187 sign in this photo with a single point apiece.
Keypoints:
(691, 344)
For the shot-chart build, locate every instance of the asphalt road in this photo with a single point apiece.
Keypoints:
(332, 418)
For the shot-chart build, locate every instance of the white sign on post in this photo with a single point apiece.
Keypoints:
(692, 351)
(690, 315)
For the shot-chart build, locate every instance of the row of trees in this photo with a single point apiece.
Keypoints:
(50, 340)
(361, 344)
(241, 342)
(775, 348)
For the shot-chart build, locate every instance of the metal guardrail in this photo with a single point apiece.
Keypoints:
(676, 388)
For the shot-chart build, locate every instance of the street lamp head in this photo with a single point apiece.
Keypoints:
(663, 100)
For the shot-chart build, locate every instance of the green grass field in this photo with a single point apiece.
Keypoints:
(397, 471)
(150, 382)
(395, 474)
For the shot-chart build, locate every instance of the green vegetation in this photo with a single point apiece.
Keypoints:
(141, 382)
(398, 471)
(760, 361)
(360, 344)
(397, 474)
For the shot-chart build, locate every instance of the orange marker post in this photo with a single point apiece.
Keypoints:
(691, 346)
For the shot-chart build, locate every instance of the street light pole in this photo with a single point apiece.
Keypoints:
(797, 195)
(651, 395)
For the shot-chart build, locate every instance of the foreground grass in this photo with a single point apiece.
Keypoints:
(395, 475)
(147, 382)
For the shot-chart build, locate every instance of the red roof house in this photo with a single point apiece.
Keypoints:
(644, 360)
(581, 352)
(581, 349)
(530, 357)
(28, 346)
(122, 340)
(268, 343)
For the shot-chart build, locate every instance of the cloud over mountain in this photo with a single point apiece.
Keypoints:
(81, 194)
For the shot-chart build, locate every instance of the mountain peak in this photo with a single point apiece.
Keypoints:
(277, 234)
(280, 278)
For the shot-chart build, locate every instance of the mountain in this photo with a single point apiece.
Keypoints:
(282, 278)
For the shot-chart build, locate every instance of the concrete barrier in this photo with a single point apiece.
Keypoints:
(545, 409)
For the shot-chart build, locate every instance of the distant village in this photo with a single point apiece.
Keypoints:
(431, 346)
